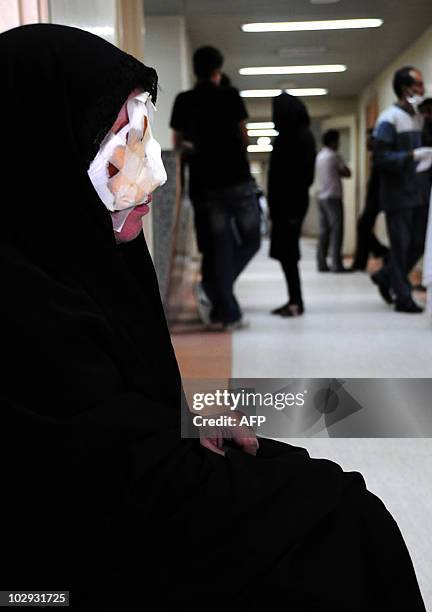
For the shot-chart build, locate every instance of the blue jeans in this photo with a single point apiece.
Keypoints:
(233, 231)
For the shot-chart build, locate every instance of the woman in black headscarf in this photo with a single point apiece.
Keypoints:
(291, 174)
(101, 495)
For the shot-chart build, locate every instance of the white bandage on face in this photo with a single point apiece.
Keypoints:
(136, 155)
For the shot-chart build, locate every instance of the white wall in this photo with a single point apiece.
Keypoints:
(167, 49)
(14, 13)
(97, 16)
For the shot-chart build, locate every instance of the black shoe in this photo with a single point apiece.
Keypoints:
(323, 269)
(292, 310)
(384, 290)
(410, 306)
(381, 253)
(342, 270)
(277, 311)
(358, 267)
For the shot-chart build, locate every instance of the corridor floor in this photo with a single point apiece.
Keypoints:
(346, 331)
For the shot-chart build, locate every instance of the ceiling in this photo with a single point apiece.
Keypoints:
(365, 52)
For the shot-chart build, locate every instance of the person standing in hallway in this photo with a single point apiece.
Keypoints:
(330, 169)
(398, 153)
(209, 122)
(291, 173)
(367, 242)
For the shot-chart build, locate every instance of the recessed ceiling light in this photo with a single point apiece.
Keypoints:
(262, 132)
(264, 140)
(271, 93)
(317, 69)
(257, 125)
(302, 26)
(260, 148)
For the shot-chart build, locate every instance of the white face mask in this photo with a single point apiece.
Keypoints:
(415, 100)
(137, 157)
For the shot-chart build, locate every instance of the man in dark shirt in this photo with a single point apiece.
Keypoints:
(399, 156)
(209, 129)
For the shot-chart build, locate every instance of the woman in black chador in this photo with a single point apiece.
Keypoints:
(101, 495)
(291, 174)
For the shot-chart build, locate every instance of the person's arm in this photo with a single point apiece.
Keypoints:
(343, 169)
(244, 132)
(387, 157)
(177, 140)
(240, 114)
(177, 124)
(181, 145)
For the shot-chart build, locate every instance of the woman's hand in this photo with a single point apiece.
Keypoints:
(243, 436)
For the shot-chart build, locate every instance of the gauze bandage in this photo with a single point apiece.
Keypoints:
(136, 155)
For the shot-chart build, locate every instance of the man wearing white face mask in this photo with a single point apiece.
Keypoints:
(400, 158)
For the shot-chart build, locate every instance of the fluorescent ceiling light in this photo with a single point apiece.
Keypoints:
(302, 26)
(259, 148)
(271, 93)
(311, 91)
(264, 141)
(260, 93)
(260, 125)
(318, 69)
(262, 133)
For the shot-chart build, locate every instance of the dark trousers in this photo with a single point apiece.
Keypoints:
(203, 238)
(292, 277)
(289, 261)
(233, 219)
(367, 242)
(407, 232)
(331, 232)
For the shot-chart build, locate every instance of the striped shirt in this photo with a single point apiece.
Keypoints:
(396, 134)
